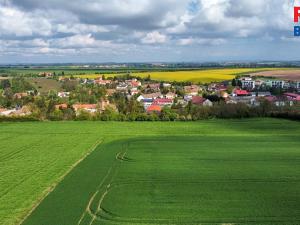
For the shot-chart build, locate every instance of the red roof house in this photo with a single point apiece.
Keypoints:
(198, 100)
(163, 101)
(154, 108)
(238, 92)
(292, 96)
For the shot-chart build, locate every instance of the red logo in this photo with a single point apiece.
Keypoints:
(296, 14)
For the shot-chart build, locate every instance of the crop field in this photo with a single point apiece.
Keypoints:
(201, 76)
(280, 74)
(210, 172)
(196, 76)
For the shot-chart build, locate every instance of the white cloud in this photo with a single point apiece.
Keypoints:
(91, 26)
(154, 38)
(18, 23)
(201, 41)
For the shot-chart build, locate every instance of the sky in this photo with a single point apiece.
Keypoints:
(82, 31)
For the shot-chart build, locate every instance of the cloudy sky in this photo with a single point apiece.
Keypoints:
(146, 30)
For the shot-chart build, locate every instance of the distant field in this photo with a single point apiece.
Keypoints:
(211, 172)
(164, 74)
(201, 76)
(281, 74)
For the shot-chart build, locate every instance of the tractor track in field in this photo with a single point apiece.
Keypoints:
(110, 175)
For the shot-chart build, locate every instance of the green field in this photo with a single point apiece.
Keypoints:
(211, 172)
(44, 85)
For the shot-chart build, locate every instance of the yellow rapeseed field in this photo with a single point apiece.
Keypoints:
(201, 76)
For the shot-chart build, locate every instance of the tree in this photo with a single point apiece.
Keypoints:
(5, 84)
(233, 82)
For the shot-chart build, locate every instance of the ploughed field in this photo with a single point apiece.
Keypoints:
(210, 172)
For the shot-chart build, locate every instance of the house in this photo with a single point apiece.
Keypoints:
(259, 83)
(20, 95)
(167, 85)
(100, 81)
(170, 95)
(88, 81)
(2, 110)
(247, 83)
(91, 108)
(188, 98)
(239, 92)
(192, 90)
(134, 91)
(275, 83)
(208, 103)
(122, 87)
(163, 102)
(279, 102)
(154, 87)
(223, 94)
(292, 96)
(230, 101)
(198, 100)
(134, 83)
(63, 94)
(154, 109)
(147, 102)
(248, 100)
(151, 96)
(61, 106)
(260, 94)
(24, 111)
(46, 74)
(7, 112)
(216, 87)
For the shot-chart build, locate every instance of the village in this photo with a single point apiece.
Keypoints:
(152, 97)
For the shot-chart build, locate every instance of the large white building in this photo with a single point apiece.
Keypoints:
(247, 82)
(276, 83)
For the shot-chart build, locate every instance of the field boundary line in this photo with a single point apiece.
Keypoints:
(54, 185)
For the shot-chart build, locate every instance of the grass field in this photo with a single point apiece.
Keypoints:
(44, 85)
(196, 76)
(211, 172)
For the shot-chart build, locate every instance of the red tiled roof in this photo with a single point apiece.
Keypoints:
(154, 108)
(270, 98)
(292, 96)
(61, 106)
(162, 101)
(241, 92)
(85, 106)
(198, 100)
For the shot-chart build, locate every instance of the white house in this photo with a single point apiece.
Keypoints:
(171, 95)
(276, 83)
(207, 102)
(247, 82)
(63, 94)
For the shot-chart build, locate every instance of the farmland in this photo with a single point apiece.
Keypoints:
(204, 75)
(280, 74)
(196, 76)
(210, 172)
